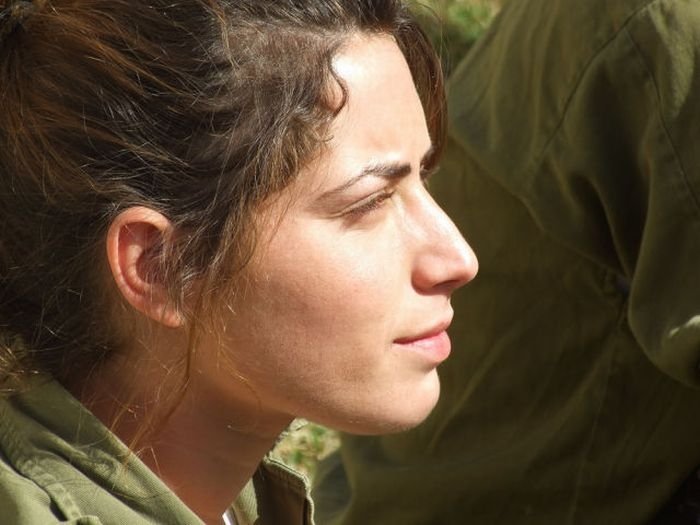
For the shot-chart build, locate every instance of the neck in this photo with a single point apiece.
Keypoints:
(207, 461)
(205, 450)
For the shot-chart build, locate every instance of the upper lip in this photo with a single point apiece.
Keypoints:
(435, 329)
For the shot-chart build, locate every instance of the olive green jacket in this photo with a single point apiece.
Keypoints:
(59, 464)
(571, 393)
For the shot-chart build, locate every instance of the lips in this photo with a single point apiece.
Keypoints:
(432, 344)
(426, 335)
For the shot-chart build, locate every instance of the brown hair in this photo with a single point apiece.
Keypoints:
(199, 109)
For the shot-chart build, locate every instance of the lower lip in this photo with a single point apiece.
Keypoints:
(436, 347)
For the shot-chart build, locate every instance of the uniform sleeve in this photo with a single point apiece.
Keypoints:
(601, 124)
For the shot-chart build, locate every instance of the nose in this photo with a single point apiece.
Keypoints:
(444, 261)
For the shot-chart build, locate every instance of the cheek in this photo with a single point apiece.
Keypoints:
(328, 295)
(323, 308)
(313, 334)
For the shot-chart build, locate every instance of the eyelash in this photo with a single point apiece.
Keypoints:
(372, 204)
(378, 200)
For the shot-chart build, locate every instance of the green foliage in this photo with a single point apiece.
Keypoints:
(454, 25)
(305, 445)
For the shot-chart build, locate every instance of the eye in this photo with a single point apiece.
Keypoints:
(374, 202)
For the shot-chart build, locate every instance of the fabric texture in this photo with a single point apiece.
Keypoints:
(571, 393)
(59, 464)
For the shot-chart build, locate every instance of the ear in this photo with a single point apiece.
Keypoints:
(134, 242)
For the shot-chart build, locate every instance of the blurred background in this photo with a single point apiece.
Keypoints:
(454, 25)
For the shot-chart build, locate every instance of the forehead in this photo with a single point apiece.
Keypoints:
(383, 114)
(381, 120)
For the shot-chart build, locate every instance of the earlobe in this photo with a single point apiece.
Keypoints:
(135, 240)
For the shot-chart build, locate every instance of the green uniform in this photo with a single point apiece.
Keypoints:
(59, 464)
(574, 171)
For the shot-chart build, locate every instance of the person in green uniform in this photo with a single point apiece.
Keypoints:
(573, 169)
(214, 219)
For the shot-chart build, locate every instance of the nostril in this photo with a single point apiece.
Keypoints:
(451, 286)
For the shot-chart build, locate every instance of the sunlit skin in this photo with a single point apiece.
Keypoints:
(361, 259)
(341, 319)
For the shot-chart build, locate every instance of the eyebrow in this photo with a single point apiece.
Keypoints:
(385, 170)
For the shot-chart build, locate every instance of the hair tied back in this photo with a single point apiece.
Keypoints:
(15, 13)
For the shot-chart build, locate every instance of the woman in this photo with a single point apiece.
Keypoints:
(214, 220)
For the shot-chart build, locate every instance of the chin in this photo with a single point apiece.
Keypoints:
(398, 412)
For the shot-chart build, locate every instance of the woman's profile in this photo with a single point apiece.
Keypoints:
(214, 219)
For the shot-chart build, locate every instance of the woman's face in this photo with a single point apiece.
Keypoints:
(347, 298)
